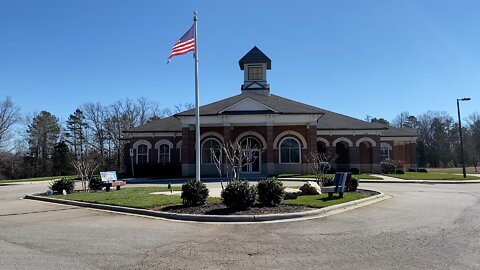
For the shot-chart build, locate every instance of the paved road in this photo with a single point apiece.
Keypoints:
(420, 227)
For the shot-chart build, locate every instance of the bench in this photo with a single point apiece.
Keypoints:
(340, 184)
(116, 184)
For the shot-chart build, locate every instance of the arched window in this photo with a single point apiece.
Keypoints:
(385, 151)
(142, 154)
(211, 147)
(289, 151)
(164, 153)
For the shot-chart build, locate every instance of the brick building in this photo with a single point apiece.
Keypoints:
(281, 131)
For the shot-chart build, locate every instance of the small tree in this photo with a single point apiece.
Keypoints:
(236, 156)
(319, 164)
(85, 167)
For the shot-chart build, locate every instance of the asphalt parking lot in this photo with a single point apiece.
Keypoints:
(420, 227)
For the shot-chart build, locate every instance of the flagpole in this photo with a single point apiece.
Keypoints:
(197, 103)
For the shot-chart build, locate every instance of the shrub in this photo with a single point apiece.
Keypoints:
(387, 166)
(270, 192)
(239, 195)
(332, 171)
(412, 170)
(399, 171)
(353, 184)
(63, 184)
(194, 193)
(354, 171)
(422, 170)
(95, 183)
(327, 180)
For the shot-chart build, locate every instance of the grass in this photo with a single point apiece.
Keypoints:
(140, 197)
(453, 170)
(320, 201)
(136, 197)
(432, 176)
(358, 176)
(47, 178)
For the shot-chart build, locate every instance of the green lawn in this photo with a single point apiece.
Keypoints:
(320, 201)
(358, 176)
(432, 176)
(137, 197)
(47, 178)
(453, 170)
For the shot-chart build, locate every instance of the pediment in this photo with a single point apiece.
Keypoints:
(247, 104)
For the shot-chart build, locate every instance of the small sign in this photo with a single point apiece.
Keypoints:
(131, 152)
(108, 176)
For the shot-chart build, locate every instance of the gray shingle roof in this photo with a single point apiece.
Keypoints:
(166, 124)
(399, 132)
(336, 121)
(328, 121)
(255, 56)
(279, 104)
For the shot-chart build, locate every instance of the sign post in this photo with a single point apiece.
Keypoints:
(131, 161)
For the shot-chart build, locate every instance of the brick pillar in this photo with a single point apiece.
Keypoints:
(270, 151)
(354, 152)
(413, 154)
(376, 158)
(227, 134)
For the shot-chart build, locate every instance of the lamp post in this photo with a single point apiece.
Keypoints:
(461, 137)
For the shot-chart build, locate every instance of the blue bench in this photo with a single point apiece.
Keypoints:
(339, 185)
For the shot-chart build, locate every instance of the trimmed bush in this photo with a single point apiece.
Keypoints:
(270, 192)
(332, 171)
(422, 170)
(327, 181)
(399, 171)
(387, 166)
(194, 193)
(354, 171)
(95, 183)
(63, 184)
(412, 170)
(239, 195)
(353, 184)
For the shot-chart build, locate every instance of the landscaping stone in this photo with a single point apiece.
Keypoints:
(292, 193)
(311, 188)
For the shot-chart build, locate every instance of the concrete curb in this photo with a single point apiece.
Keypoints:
(396, 181)
(218, 218)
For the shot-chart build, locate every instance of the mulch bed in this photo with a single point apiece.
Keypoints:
(220, 209)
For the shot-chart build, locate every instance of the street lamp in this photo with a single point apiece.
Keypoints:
(461, 137)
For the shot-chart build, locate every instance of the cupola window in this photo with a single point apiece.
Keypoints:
(255, 73)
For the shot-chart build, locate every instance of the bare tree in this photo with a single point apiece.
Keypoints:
(85, 167)
(9, 115)
(236, 156)
(319, 165)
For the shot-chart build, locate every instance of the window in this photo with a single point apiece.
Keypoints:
(142, 154)
(255, 73)
(289, 151)
(164, 154)
(385, 151)
(210, 147)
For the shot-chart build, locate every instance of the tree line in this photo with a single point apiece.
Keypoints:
(46, 146)
(438, 143)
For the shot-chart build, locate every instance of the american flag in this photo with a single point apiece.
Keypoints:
(185, 44)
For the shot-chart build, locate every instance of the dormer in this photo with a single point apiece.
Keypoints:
(255, 65)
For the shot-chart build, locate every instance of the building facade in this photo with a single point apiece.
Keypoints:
(282, 134)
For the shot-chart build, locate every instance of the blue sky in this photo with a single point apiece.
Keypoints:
(358, 58)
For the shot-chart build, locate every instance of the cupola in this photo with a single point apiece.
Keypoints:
(255, 65)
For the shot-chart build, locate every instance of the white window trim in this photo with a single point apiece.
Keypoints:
(170, 146)
(280, 151)
(137, 144)
(201, 151)
(169, 152)
(388, 147)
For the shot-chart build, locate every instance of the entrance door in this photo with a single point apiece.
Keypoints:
(252, 162)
